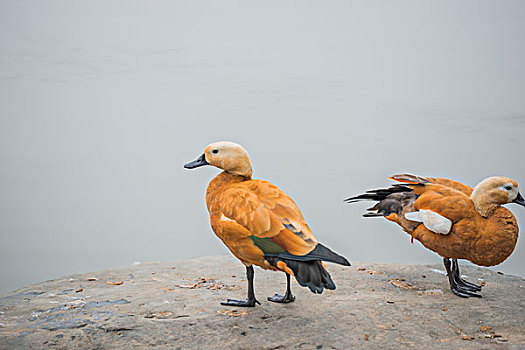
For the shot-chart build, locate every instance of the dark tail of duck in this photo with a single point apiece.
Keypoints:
(390, 200)
(308, 269)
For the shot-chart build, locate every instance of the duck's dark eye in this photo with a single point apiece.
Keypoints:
(508, 188)
(214, 151)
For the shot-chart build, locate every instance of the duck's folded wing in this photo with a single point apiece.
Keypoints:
(440, 207)
(458, 186)
(419, 180)
(269, 214)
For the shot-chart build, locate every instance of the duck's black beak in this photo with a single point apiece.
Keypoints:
(198, 162)
(519, 200)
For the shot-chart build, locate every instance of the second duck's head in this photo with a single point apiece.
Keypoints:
(493, 192)
(224, 155)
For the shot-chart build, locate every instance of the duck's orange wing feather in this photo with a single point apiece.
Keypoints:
(420, 180)
(267, 212)
(458, 186)
(446, 201)
(455, 205)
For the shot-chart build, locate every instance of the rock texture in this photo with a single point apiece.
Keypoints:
(177, 306)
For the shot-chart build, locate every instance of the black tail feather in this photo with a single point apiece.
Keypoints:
(390, 200)
(308, 269)
(309, 274)
(372, 215)
(379, 194)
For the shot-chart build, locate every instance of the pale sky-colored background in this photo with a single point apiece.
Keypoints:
(102, 102)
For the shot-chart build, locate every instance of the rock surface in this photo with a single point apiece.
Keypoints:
(177, 306)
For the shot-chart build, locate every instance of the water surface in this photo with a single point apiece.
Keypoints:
(101, 103)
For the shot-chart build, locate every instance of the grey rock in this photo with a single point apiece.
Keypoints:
(177, 305)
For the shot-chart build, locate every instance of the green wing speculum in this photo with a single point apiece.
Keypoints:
(267, 245)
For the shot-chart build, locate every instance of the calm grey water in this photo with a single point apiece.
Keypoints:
(102, 102)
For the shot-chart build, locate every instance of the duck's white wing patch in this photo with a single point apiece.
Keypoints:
(224, 218)
(432, 221)
(413, 216)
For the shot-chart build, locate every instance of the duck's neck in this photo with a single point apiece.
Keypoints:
(483, 203)
(221, 180)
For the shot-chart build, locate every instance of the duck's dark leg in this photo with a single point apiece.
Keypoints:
(460, 281)
(251, 301)
(457, 289)
(288, 297)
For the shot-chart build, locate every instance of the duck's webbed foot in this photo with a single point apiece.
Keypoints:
(288, 297)
(250, 301)
(460, 281)
(459, 286)
(241, 303)
(460, 291)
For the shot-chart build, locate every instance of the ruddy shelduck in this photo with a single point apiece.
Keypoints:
(452, 219)
(261, 225)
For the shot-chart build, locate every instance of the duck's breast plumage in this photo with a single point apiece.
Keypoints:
(499, 238)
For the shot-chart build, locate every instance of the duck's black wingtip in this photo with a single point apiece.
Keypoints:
(324, 253)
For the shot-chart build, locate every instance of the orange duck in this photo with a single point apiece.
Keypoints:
(261, 225)
(452, 219)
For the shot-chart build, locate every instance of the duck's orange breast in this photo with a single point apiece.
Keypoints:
(498, 238)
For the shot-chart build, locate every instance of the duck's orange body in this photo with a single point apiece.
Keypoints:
(483, 241)
(241, 208)
(452, 219)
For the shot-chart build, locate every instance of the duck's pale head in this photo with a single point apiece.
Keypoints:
(225, 155)
(492, 192)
